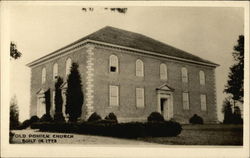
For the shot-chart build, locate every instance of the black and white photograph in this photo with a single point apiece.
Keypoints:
(134, 75)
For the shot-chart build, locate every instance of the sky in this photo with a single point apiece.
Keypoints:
(208, 32)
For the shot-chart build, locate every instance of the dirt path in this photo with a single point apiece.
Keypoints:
(35, 137)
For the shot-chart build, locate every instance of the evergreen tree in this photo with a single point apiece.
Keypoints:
(74, 94)
(58, 100)
(228, 113)
(236, 75)
(237, 116)
(47, 117)
(14, 113)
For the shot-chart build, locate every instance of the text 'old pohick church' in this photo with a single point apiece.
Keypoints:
(130, 75)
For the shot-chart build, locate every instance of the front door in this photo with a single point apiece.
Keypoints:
(164, 107)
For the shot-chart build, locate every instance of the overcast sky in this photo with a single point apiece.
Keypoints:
(208, 32)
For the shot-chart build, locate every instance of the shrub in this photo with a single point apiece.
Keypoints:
(120, 130)
(155, 117)
(163, 129)
(195, 119)
(25, 124)
(111, 117)
(58, 117)
(46, 118)
(28, 122)
(34, 119)
(94, 117)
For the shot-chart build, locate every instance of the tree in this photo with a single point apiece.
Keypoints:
(237, 116)
(58, 101)
(236, 75)
(14, 53)
(74, 94)
(231, 116)
(14, 113)
(227, 110)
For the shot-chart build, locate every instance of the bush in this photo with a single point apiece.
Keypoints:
(195, 119)
(46, 118)
(25, 124)
(120, 130)
(155, 117)
(34, 119)
(29, 122)
(94, 117)
(163, 129)
(58, 117)
(111, 117)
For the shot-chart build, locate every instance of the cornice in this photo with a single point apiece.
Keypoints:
(82, 43)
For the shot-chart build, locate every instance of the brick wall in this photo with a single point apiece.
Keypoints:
(78, 56)
(94, 61)
(127, 82)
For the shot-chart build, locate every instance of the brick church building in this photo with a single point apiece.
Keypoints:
(129, 74)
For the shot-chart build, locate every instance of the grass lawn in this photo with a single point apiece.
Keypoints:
(203, 135)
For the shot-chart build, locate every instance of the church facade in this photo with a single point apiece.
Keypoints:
(129, 74)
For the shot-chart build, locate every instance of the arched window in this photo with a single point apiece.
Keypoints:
(43, 75)
(163, 72)
(139, 68)
(184, 74)
(113, 63)
(55, 71)
(202, 78)
(68, 66)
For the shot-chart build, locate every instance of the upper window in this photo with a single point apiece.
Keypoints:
(163, 72)
(202, 78)
(68, 66)
(184, 74)
(43, 75)
(185, 99)
(139, 68)
(113, 95)
(55, 71)
(140, 97)
(203, 102)
(113, 63)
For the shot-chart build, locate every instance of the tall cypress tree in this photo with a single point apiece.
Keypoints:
(58, 100)
(236, 75)
(74, 94)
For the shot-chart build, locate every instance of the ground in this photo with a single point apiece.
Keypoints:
(190, 135)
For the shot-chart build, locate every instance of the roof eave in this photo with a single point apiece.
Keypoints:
(71, 46)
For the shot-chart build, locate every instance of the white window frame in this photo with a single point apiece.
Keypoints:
(113, 95)
(139, 68)
(203, 98)
(55, 71)
(184, 75)
(113, 62)
(185, 100)
(43, 75)
(68, 66)
(202, 77)
(163, 71)
(140, 97)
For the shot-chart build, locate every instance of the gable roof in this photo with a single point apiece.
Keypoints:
(129, 39)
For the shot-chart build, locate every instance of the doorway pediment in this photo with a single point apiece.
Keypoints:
(165, 87)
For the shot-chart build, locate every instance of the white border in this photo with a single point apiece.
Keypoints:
(24, 150)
